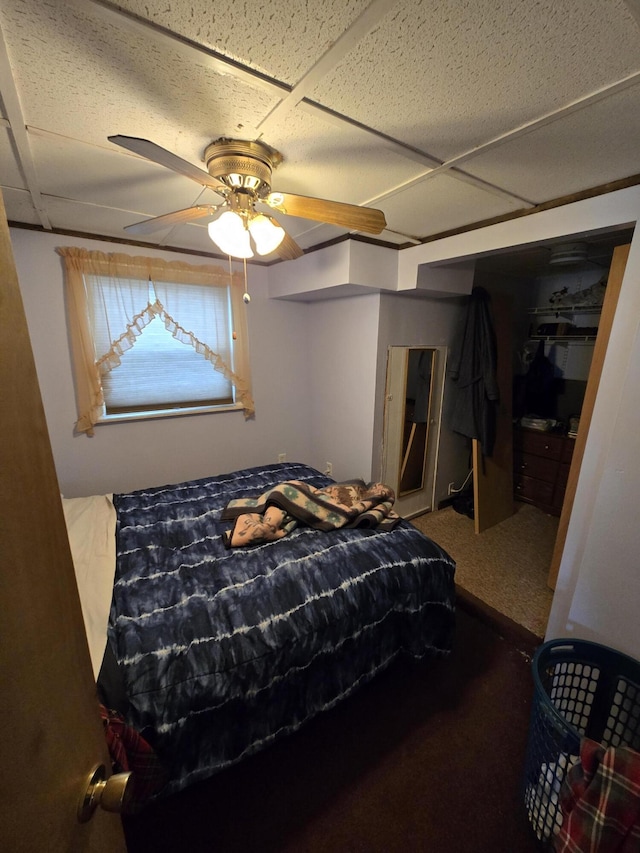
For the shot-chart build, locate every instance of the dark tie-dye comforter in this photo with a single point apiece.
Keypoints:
(222, 651)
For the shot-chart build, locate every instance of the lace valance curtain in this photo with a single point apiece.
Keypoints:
(100, 337)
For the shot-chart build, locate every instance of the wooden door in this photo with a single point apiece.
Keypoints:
(51, 730)
(614, 283)
(493, 476)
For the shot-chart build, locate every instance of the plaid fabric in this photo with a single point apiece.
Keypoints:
(278, 511)
(129, 751)
(600, 801)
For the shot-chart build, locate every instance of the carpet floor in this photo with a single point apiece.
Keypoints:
(427, 757)
(507, 565)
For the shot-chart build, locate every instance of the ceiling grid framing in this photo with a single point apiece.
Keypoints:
(290, 98)
(18, 131)
(302, 76)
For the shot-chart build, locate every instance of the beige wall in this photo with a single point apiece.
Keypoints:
(124, 456)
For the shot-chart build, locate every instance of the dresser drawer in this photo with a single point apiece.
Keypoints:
(535, 466)
(541, 465)
(539, 443)
(567, 449)
(558, 499)
(528, 488)
(563, 474)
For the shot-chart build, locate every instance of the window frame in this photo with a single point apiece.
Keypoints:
(89, 366)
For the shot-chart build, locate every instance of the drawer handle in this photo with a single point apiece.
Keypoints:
(546, 447)
(524, 465)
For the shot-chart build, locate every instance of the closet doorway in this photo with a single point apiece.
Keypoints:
(413, 405)
(607, 252)
(521, 588)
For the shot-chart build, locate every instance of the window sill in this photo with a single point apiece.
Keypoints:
(168, 413)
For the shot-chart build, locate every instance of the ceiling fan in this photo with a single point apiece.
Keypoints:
(240, 172)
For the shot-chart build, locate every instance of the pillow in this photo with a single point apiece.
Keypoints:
(91, 527)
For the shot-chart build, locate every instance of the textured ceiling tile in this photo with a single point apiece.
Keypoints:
(443, 76)
(446, 75)
(282, 40)
(19, 206)
(108, 178)
(306, 232)
(192, 236)
(86, 219)
(339, 163)
(11, 175)
(577, 145)
(116, 81)
(92, 219)
(442, 203)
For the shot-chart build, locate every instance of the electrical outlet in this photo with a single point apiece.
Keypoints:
(282, 457)
(328, 469)
(451, 489)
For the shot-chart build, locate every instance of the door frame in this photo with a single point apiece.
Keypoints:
(609, 306)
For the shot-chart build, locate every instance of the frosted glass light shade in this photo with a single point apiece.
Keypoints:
(230, 235)
(266, 233)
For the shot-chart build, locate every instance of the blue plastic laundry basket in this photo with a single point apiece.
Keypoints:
(581, 689)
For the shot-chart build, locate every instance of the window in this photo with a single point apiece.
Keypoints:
(153, 337)
(160, 371)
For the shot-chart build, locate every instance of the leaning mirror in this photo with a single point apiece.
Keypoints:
(417, 407)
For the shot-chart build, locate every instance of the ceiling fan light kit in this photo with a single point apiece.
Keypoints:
(234, 230)
(240, 171)
(266, 232)
(230, 235)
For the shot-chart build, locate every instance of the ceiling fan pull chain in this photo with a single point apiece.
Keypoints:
(245, 296)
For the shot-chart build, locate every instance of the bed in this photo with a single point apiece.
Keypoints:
(219, 651)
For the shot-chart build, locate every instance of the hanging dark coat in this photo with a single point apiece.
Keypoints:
(540, 386)
(473, 370)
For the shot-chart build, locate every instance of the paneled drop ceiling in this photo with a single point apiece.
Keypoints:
(441, 113)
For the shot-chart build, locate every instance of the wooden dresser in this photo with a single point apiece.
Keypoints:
(541, 462)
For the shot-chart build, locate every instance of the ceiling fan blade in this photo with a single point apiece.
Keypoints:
(156, 223)
(289, 250)
(157, 154)
(333, 212)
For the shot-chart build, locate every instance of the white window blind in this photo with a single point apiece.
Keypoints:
(161, 371)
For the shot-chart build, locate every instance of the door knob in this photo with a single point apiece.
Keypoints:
(109, 793)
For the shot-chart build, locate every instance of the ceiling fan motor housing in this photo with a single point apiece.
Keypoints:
(241, 164)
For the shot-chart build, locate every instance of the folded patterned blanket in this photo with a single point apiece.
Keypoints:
(278, 511)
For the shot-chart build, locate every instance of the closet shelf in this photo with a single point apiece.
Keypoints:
(569, 339)
(564, 332)
(557, 309)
